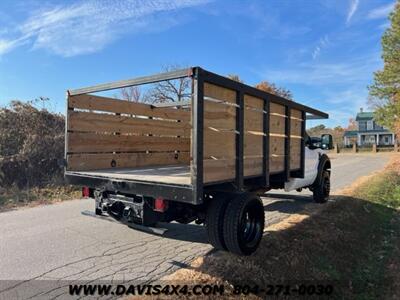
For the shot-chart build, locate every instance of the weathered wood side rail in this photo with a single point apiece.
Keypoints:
(105, 133)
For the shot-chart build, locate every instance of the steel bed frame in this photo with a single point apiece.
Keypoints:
(194, 194)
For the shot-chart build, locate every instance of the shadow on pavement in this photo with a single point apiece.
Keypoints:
(349, 245)
(287, 203)
(185, 232)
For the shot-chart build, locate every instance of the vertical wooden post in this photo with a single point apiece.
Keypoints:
(396, 147)
(374, 148)
(337, 150)
(355, 148)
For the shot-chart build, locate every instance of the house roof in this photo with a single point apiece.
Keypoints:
(384, 130)
(353, 133)
(365, 116)
(350, 133)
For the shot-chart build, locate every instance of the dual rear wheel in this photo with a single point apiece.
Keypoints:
(236, 223)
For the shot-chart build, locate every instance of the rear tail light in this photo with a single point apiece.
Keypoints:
(85, 192)
(160, 204)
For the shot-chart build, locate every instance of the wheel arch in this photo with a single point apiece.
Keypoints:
(324, 163)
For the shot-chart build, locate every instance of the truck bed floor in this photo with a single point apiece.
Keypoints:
(170, 174)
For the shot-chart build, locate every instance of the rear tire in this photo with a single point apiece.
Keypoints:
(215, 221)
(322, 187)
(244, 224)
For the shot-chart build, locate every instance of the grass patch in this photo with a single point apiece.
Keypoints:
(352, 242)
(384, 189)
(13, 197)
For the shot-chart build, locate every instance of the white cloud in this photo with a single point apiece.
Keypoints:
(88, 26)
(316, 52)
(348, 101)
(352, 9)
(342, 104)
(9, 45)
(322, 43)
(348, 72)
(381, 12)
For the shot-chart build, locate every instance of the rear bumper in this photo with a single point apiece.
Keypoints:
(176, 193)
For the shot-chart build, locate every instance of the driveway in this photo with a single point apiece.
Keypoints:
(57, 242)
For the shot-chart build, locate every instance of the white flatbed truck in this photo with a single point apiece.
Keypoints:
(206, 160)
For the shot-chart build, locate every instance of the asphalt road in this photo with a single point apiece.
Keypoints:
(57, 242)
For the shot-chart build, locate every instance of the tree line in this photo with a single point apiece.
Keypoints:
(384, 92)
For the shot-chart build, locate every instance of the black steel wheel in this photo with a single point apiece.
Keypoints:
(244, 224)
(215, 221)
(322, 188)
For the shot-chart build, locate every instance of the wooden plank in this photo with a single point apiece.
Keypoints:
(219, 144)
(253, 144)
(219, 93)
(254, 136)
(91, 142)
(84, 162)
(296, 137)
(253, 165)
(277, 124)
(295, 153)
(219, 115)
(295, 127)
(295, 146)
(277, 145)
(276, 163)
(173, 174)
(253, 120)
(218, 170)
(253, 102)
(93, 122)
(224, 169)
(296, 114)
(99, 103)
(277, 109)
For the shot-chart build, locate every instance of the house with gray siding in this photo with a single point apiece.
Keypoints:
(368, 132)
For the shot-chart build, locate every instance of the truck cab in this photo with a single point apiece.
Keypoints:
(317, 168)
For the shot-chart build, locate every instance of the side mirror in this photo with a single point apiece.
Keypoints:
(326, 142)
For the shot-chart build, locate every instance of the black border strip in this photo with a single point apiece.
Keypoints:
(252, 91)
(266, 141)
(151, 189)
(196, 166)
(287, 142)
(239, 139)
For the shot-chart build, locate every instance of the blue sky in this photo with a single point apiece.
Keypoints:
(324, 51)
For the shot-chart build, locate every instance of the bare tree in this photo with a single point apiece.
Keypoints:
(352, 125)
(235, 77)
(170, 90)
(132, 94)
(42, 99)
